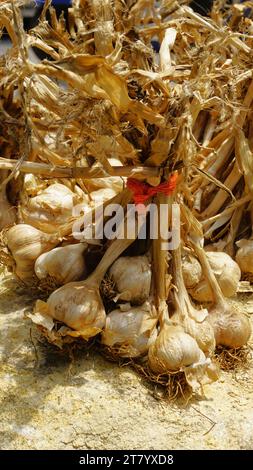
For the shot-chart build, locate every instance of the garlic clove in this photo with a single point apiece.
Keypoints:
(130, 332)
(64, 264)
(132, 277)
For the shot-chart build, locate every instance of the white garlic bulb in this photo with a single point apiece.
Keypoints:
(130, 332)
(244, 256)
(26, 244)
(50, 209)
(64, 264)
(173, 350)
(192, 271)
(78, 305)
(132, 277)
(227, 273)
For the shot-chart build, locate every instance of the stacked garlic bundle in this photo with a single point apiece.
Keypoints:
(142, 93)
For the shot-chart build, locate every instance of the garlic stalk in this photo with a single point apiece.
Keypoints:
(130, 330)
(132, 277)
(26, 244)
(227, 273)
(64, 264)
(231, 327)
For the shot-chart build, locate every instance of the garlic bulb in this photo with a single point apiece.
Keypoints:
(26, 244)
(50, 209)
(173, 350)
(132, 277)
(64, 264)
(78, 304)
(227, 273)
(244, 255)
(231, 327)
(192, 271)
(130, 332)
(7, 211)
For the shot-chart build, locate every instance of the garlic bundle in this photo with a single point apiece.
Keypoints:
(78, 304)
(130, 330)
(50, 209)
(7, 211)
(64, 264)
(227, 273)
(26, 244)
(231, 327)
(244, 255)
(132, 277)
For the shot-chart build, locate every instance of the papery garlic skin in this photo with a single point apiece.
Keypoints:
(192, 271)
(130, 332)
(132, 277)
(173, 350)
(227, 273)
(64, 264)
(26, 244)
(244, 256)
(78, 305)
(50, 209)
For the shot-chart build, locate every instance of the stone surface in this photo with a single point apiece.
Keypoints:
(49, 402)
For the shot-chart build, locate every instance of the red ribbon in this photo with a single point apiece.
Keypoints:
(143, 191)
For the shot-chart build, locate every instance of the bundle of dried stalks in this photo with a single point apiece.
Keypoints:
(131, 92)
